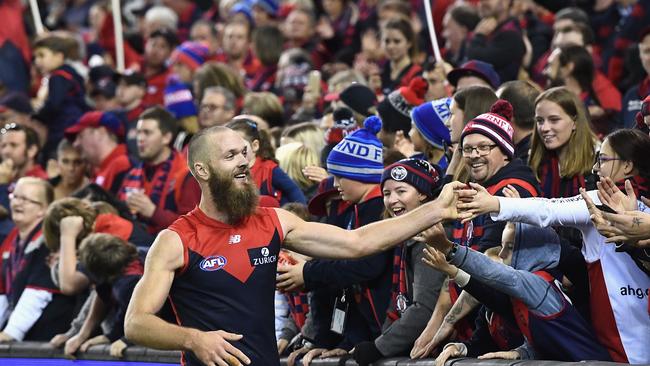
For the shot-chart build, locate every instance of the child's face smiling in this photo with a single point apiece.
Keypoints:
(47, 60)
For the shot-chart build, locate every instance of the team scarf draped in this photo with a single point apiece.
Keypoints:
(639, 184)
(555, 186)
(156, 188)
(398, 282)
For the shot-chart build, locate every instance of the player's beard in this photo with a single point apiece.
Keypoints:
(236, 202)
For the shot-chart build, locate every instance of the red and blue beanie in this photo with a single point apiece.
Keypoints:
(344, 124)
(429, 119)
(359, 156)
(417, 172)
(192, 54)
(494, 125)
(178, 99)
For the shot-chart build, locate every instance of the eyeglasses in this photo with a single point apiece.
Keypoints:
(15, 197)
(209, 108)
(600, 159)
(482, 150)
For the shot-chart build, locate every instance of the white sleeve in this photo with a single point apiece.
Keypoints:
(543, 212)
(28, 309)
(4, 309)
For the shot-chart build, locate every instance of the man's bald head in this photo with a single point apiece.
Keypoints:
(202, 144)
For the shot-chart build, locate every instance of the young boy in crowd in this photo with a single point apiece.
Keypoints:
(64, 100)
(115, 268)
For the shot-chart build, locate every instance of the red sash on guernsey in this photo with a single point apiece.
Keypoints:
(262, 173)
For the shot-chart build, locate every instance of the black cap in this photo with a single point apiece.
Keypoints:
(359, 98)
(131, 78)
(169, 36)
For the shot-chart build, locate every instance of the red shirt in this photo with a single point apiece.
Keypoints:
(111, 171)
(37, 171)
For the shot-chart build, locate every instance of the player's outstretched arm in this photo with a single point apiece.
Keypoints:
(143, 327)
(328, 241)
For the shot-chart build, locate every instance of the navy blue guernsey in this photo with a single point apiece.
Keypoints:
(228, 280)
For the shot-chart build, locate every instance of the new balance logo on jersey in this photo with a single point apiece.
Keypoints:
(213, 263)
(234, 239)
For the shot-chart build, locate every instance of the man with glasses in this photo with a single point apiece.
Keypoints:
(217, 107)
(19, 148)
(488, 152)
(34, 306)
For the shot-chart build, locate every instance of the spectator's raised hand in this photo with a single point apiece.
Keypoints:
(436, 259)
(610, 195)
(7, 171)
(71, 226)
(315, 173)
(629, 227)
(141, 204)
(486, 26)
(290, 276)
(511, 192)
(476, 201)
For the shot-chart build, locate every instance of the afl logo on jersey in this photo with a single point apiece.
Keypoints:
(213, 263)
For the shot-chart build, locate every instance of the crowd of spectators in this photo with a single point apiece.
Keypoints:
(541, 107)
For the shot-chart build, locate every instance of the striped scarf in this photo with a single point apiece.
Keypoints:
(555, 186)
(398, 282)
(156, 188)
(639, 184)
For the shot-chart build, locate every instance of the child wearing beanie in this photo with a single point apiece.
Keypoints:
(361, 286)
(428, 132)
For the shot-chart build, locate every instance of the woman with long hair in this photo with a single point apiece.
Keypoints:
(563, 148)
(399, 42)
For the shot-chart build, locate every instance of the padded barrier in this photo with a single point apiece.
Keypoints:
(36, 350)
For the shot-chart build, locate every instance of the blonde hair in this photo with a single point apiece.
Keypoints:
(293, 158)
(579, 157)
(265, 105)
(308, 134)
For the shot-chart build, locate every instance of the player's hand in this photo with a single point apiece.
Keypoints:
(100, 339)
(71, 226)
(141, 204)
(450, 351)
(448, 199)
(213, 348)
(476, 201)
(117, 348)
(59, 340)
(290, 277)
